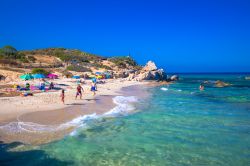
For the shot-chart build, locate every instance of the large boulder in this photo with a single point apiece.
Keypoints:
(221, 84)
(130, 77)
(150, 66)
(174, 78)
(158, 75)
(121, 74)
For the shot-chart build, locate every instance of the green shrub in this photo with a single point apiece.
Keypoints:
(24, 60)
(39, 71)
(31, 58)
(1, 52)
(78, 68)
(9, 50)
(98, 65)
(123, 61)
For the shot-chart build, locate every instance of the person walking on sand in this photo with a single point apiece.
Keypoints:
(93, 87)
(62, 96)
(79, 90)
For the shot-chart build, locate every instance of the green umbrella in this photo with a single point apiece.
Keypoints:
(26, 77)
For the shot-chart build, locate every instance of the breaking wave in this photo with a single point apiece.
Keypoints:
(124, 106)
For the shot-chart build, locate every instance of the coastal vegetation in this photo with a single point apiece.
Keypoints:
(77, 60)
(8, 54)
(123, 61)
(64, 61)
(69, 62)
(78, 68)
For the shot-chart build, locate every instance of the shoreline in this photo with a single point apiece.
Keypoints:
(11, 107)
(58, 115)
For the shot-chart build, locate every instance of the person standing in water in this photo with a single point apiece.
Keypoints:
(79, 90)
(62, 96)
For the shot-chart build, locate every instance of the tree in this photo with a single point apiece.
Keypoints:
(9, 51)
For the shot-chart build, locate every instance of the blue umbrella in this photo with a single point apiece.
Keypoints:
(38, 76)
(98, 73)
(26, 77)
(94, 80)
(76, 77)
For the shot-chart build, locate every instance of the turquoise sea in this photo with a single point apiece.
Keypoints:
(175, 125)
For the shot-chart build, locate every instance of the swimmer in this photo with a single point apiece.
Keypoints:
(201, 87)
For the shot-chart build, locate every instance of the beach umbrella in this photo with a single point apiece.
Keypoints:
(52, 76)
(94, 79)
(99, 76)
(38, 76)
(91, 76)
(107, 75)
(26, 77)
(76, 77)
(98, 73)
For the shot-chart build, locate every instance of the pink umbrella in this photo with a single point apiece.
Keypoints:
(52, 76)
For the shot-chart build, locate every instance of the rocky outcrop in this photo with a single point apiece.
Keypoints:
(150, 72)
(174, 78)
(131, 77)
(221, 84)
(150, 66)
(121, 74)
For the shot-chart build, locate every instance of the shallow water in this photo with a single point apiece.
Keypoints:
(175, 125)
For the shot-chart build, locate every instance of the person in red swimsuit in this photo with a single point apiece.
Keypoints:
(79, 90)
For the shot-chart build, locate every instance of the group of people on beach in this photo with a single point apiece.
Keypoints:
(80, 90)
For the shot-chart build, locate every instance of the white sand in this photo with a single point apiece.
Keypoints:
(12, 107)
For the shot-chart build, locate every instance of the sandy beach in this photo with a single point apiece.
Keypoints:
(47, 110)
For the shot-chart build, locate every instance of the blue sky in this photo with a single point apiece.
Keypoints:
(179, 35)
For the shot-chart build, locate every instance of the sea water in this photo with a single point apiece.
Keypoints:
(176, 125)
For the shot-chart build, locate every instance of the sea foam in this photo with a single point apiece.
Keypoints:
(124, 105)
(164, 89)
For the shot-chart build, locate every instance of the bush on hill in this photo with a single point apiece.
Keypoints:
(31, 58)
(9, 52)
(123, 61)
(39, 71)
(98, 65)
(78, 68)
(65, 55)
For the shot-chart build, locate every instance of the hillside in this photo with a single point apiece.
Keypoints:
(63, 60)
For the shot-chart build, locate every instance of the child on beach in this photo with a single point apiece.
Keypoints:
(27, 86)
(62, 96)
(79, 90)
(51, 85)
